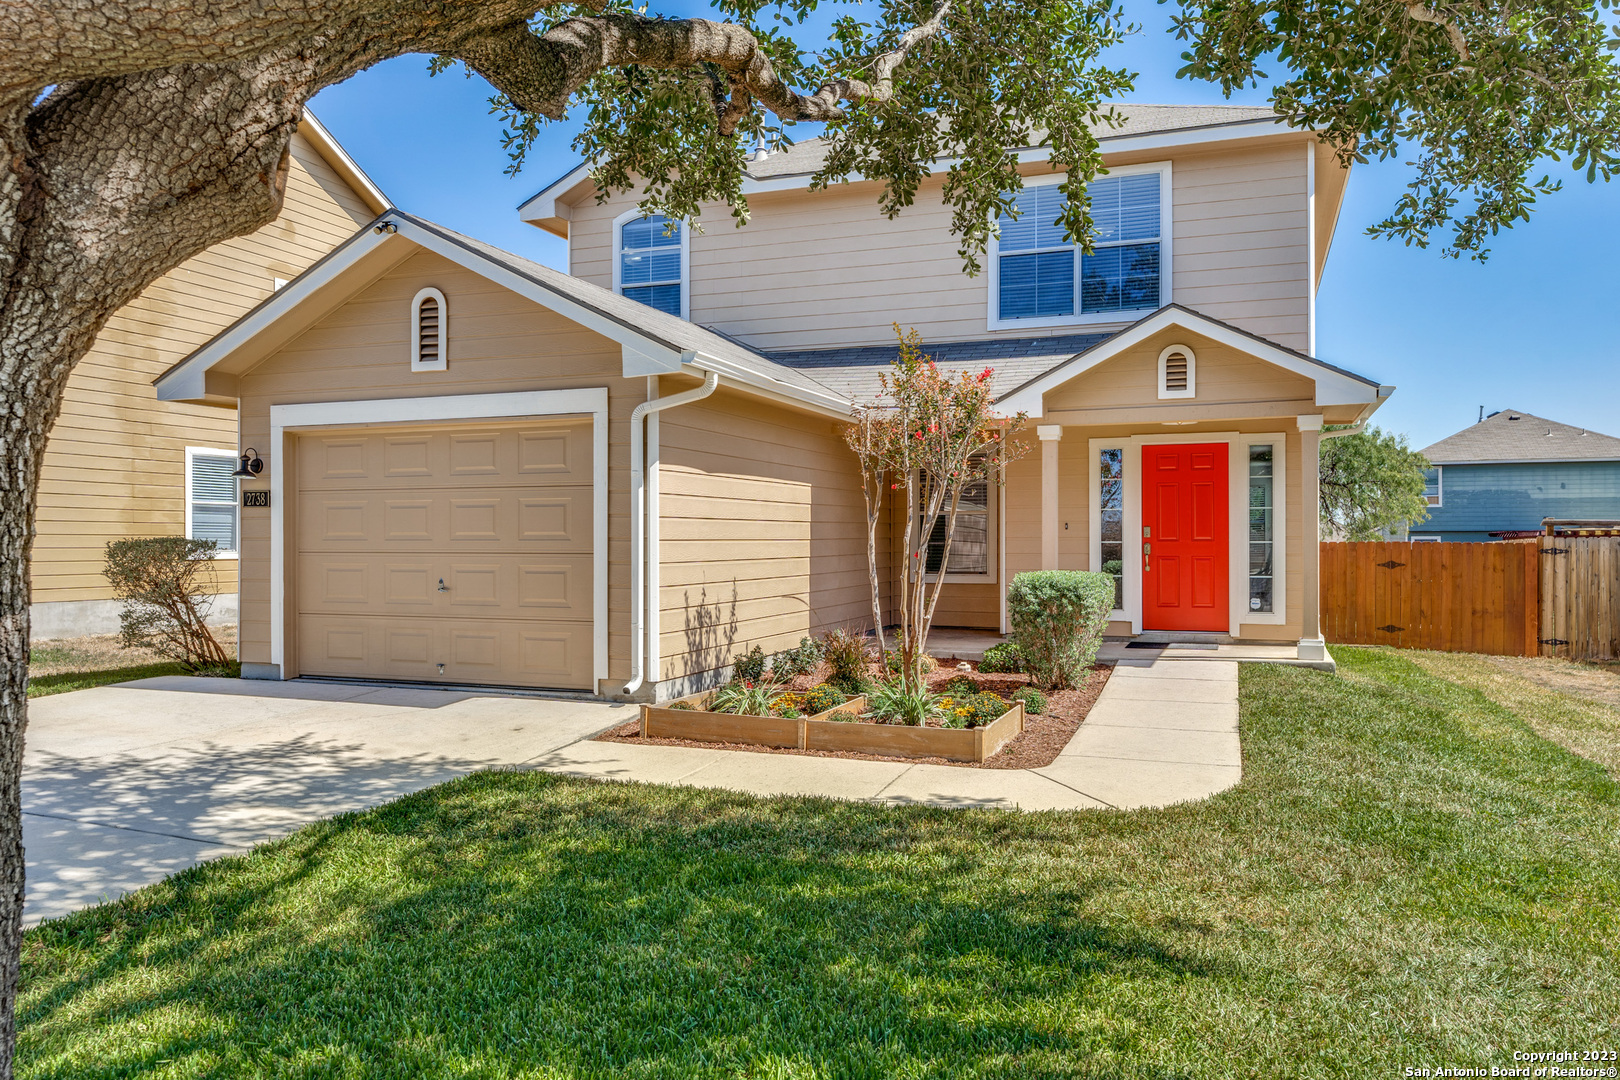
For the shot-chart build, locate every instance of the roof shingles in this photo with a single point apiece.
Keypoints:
(1512, 435)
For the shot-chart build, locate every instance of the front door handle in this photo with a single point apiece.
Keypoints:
(1147, 552)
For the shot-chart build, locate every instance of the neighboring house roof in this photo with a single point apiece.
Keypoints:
(1141, 127)
(653, 342)
(1512, 435)
(342, 164)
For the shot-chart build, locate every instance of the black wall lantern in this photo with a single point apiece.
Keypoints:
(252, 465)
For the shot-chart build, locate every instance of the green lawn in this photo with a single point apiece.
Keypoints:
(1408, 875)
(46, 685)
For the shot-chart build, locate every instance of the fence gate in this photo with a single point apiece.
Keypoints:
(1580, 597)
(1453, 597)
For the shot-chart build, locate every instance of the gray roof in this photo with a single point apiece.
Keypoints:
(853, 372)
(674, 332)
(806, 157)
(1513, 435)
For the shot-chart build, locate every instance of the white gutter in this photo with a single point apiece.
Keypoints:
(642, 605)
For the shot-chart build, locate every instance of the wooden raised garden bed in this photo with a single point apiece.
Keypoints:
(821, 732)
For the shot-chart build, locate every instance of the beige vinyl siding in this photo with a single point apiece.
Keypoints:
(500, 342)
(815, 269)
(115, 463)
(763, 531)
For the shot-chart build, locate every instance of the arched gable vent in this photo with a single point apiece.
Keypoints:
(430, 321)
(1178, 372)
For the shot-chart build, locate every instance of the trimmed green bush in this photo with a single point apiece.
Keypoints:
(1034, 701)
(748, 666)
(818, 699)
(1058, 618)
(1003, 659)
(961, 686)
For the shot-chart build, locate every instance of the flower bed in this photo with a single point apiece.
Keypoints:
(841, 729)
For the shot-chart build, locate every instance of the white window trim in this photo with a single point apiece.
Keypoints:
(1439, 487)
(992, 524)
(1192, 373)
(443, 362)
(686, 258)
(286, 421)
(1425, 538)
(994, 321)
(193, 452)
(1237, 572)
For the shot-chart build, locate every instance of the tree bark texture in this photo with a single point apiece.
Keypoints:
(133, 137)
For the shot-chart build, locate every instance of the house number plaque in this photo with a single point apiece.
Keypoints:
(255, 498)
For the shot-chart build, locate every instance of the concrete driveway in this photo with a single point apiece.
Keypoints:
(124, 785)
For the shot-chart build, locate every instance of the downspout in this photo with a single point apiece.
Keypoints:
(639, 600)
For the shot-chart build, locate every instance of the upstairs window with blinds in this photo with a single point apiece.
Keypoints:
(430, 331)
(650, 262)
(211, 497)
(1042, 276)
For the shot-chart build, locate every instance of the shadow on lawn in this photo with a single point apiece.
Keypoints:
(527, 922)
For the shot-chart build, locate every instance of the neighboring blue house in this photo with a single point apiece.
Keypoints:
(1510, 470)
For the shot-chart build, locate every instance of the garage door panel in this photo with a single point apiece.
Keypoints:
(552, 588)
(539, 454)
(497, 652)
(559, 520)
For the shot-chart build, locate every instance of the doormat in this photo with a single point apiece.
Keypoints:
(1145, 645)
(1171, 645)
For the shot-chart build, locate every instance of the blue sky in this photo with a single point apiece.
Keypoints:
(1531, 328)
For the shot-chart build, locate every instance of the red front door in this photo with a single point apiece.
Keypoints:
(1185, 537)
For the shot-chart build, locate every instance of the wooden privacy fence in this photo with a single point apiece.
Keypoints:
(1446, 596)
(1580, 597)
(1548, 596)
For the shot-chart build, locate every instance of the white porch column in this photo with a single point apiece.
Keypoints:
(1311, 644)
(1049, 435)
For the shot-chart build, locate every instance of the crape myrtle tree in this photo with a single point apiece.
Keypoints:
(929, 438)
(133, 136)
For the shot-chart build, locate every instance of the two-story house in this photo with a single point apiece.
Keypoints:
(1512, 470)
(121, 462)
(481, 470)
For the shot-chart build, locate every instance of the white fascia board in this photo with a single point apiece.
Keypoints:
(543, 204)
(186, 381)
(824, 402)
(1332, 387)
(342, 163)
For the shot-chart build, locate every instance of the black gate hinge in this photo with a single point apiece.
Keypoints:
(1551, 641)
(1554, 551)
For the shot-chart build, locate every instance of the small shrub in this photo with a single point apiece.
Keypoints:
(1034, 701)
(1058, 618)
(961, 686)
(847, 654)
(788, 706)
(166, 586)
(973, 711)
(684, 706)
(748, 666)
(746, 698)
(818, 699)
(800, 660)
(892, 703)
(1003, 659)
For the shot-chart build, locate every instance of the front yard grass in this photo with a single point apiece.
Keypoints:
(63, 664)
(1408, 875)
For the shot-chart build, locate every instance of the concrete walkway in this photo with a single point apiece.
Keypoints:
(126, 784)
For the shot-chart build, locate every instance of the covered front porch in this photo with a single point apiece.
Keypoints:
(1179, 457)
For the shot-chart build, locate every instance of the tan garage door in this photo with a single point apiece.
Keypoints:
(447, 554)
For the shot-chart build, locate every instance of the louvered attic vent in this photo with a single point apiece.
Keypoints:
(429, 326)
(1175, 372)
(1178, 374)
(427, 334)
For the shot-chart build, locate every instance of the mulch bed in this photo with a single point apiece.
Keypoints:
(1043, 738)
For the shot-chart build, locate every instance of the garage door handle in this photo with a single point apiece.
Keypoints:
(441, 586)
